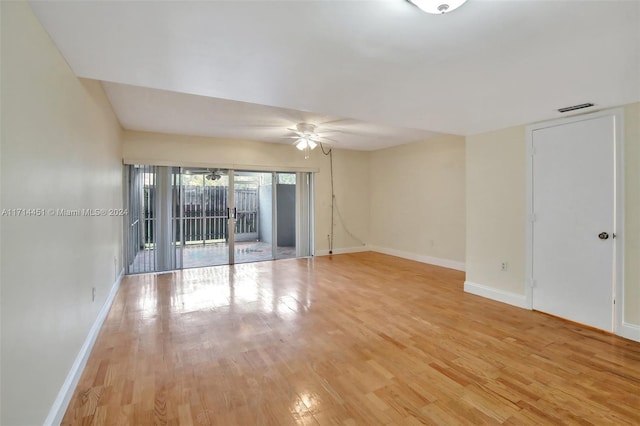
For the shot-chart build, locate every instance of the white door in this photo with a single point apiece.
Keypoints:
(573, 201)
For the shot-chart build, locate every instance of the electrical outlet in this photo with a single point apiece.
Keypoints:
(93, 294)
(504, 266)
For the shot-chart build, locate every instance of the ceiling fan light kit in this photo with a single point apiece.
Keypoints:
(304, 143)
(437, 7)
(306, 137)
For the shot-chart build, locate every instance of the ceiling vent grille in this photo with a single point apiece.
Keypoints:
(575, 107)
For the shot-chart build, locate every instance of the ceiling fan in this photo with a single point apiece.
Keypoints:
(209, 174)
(307, 137)
(214, 174)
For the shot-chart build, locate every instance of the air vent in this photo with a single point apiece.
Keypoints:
(575, 107)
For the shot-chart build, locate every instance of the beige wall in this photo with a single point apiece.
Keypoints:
(496, 187)
(351, 175)
(496, 209)
(632, 213)
(418, 199)
(60, 148)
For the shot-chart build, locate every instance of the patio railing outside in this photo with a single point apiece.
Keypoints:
(205, 214)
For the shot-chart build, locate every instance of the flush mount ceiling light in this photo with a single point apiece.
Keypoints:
(437, 7)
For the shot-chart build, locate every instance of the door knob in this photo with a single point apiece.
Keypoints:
(603, 236)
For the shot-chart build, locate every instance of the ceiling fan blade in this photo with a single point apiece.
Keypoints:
(259, 126)
(327, 140)
(331, 131)
(196, 171)
(337, 121)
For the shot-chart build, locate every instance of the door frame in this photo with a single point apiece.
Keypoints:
(618, 275)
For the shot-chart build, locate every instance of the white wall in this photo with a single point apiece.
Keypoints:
(60, 148)
(351, 175)
(418, 200)
(496, 187)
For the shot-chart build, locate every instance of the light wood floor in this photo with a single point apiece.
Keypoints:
(353, 339)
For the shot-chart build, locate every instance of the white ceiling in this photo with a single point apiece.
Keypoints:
(153, 110)
(485, 66)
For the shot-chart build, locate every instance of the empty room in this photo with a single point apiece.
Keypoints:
(376, 212)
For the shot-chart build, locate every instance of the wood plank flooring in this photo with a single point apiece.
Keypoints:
(359, 339)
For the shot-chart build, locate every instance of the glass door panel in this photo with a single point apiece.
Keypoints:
(203, 217)
(254, 213)
(151, 235)
(304, 214)
(141, 219)
(286, 217)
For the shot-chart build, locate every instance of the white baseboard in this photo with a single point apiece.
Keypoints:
(345, 250)
(508, 297)
(445, 263)
(629, 331)
(61, 403)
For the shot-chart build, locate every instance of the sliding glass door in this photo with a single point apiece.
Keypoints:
(197, 217)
